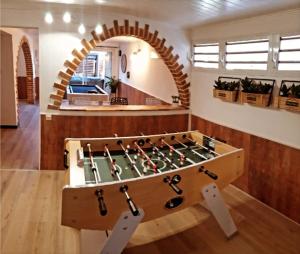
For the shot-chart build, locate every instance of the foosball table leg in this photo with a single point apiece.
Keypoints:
(215, 203)
(122, 232)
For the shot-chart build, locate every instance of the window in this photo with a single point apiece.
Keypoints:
(88, 66)
(251, 55)
(206, 55)
(289, 53)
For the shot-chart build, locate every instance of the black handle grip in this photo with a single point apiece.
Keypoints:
(132, 207)
(66, 159)
(211, 174)
(176, 188)
(102, 206)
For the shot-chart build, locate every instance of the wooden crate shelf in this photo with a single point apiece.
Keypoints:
(288, 103)
(230, 96)
(260, 100)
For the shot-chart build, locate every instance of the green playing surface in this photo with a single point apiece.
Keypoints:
(126, 170)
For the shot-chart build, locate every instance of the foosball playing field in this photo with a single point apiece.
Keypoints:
(132, 163)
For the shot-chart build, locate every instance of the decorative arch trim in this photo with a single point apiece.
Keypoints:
(166, 53)
(30, 86)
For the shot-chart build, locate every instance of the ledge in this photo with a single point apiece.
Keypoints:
(68, 107)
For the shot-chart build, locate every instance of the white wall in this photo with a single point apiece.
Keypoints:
(58, 39)
(278, 125)
(17, 35)
(146, 74)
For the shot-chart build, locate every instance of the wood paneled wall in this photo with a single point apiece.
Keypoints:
(53, 132)
(134, 96)
(272, 170)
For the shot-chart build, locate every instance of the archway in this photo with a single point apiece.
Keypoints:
(170, 59)
(30, 86)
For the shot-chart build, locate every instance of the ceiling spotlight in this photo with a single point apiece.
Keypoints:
(67, 17)
(98, 29)
(48, 18)
(100, 1)
(81, 29)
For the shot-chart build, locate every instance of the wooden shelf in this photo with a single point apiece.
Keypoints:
(66, 106)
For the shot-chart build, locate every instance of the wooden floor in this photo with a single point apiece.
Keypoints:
(20, 146)
(30, 223)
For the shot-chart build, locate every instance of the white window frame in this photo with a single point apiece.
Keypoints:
(287, 37)
(210, 53)
(249, 41)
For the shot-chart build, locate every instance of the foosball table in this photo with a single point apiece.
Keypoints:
(116, 183)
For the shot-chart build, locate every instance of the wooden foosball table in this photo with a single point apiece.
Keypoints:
(116, 183)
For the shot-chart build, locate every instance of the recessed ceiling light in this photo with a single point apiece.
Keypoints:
(67, 17)
(48, 18)
(100, 1)
(81, 29)
(98, 29)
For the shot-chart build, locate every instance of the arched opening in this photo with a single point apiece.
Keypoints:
(25, 79)
(170, 59)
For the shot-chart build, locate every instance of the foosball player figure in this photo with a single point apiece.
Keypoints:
(113, 166)
(154, 168)
(171, 151)
(182, 159)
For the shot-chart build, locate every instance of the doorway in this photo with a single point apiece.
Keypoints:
(20, 138)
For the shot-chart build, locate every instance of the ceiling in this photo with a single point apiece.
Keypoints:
(180, 13)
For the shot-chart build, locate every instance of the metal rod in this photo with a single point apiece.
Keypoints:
(176, 151)
(93, 165)
(127, 155)
(185, 146)
(195, 142)
(131, 161)
(115, 171)
(147, 157)
(160, 152)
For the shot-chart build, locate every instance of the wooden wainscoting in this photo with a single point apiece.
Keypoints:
(272, 170)
(135, 96)
(54, 131)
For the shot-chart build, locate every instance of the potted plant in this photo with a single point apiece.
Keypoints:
(256, 93)
(289, 96)
(226, 90)
(112, 84)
